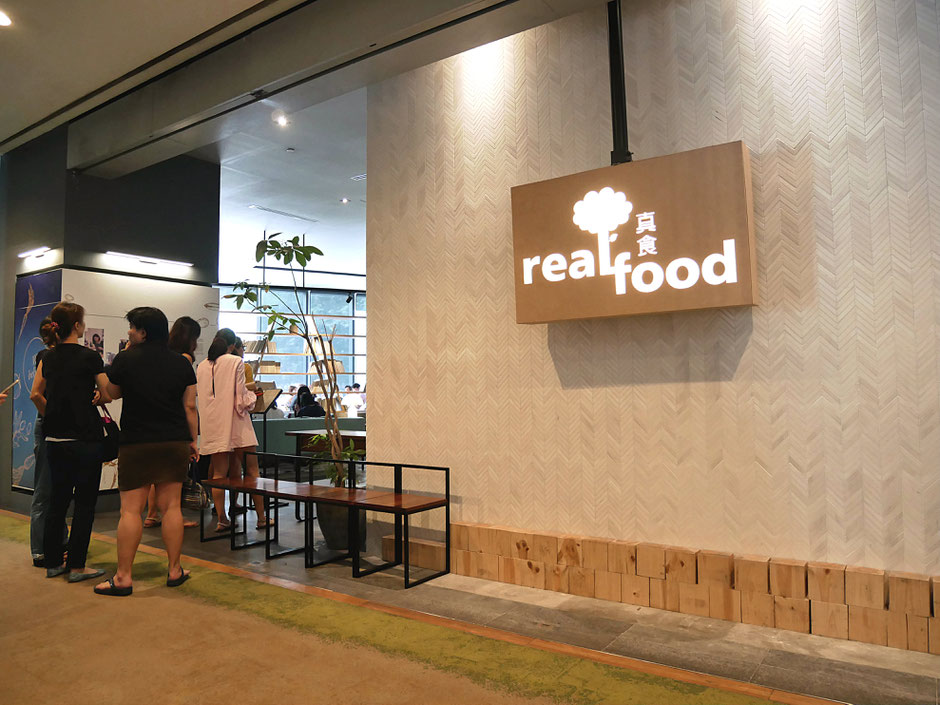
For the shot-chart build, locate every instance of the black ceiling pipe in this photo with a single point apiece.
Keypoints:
(618, 92)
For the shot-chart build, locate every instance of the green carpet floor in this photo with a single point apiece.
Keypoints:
(517, 669)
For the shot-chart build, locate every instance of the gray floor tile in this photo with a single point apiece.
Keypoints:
(591, 632)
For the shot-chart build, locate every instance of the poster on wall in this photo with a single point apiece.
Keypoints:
(106, 299)
(35, 297)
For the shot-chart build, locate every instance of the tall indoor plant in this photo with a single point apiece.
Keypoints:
(289, 318)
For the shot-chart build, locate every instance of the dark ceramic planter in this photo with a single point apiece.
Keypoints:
(334, 523)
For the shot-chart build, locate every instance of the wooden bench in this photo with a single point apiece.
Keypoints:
(400, 504)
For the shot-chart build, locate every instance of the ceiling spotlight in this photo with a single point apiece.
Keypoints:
(349, 298)
(38, 252)
(5, 20)
(279, 117)
(344, 200)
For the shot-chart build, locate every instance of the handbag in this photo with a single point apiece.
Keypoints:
(111, 437)
(194, 495)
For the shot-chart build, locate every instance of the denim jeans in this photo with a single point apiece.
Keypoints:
(75, 468)
(42, 495)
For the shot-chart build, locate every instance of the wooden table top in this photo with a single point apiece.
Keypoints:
(345, 434)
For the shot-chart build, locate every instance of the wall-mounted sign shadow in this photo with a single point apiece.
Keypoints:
(691, 346)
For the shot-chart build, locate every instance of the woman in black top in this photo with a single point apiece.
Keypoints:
(307, 404)
(158, 440)
(63, 390)
(184, 336)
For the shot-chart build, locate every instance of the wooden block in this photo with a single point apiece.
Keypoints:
(757, 608)
(484, 565)
(715, 567)
(829, 619)
(935, 582)
(752, 574)
(556, 577)
(459, 536)
(896, 623)
(868, 624)
(664, 594)
(864, 587)
(724, 603)
(621, 557)
(520, 545)
(475, 536)
(460, 562)
(519, 571)
(917, 633)
(693, 599)
(651, 560)
(580, 581)
(569, 551)
(594, 554)
(680, 564)
(791, 613)
(826, 582)
(543, 548)
(933, 635)
(909, 593)
(787, 578)
(422, 553)
(607, 585)
(496, 541)
(636, 590)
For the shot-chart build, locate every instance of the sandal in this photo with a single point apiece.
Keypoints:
(114, 590)
(176, 582)
(222, 527)
(152, 523)
(79, 577)
(190, 524)
(263, 524)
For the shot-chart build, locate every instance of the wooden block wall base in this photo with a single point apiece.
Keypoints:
(716, 567)
(621, 557)
(651, 560)
(827, 599)
(751, 573)
(788, 578)
(826, 582)
(791, 613)
(829, 619)
(909, 593)
(636, 590)
(693, 599)
(865, 587)
(868, 624)
(422, 553)
(757, 608)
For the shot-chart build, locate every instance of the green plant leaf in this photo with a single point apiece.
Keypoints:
(260, 249)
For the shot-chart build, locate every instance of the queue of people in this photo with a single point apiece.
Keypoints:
(162, 433)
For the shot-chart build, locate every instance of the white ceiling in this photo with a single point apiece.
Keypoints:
(329, 142)
(57, 51)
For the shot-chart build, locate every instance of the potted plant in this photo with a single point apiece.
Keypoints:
(334, 520)
(288, 318)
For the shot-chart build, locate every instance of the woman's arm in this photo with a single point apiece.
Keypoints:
(38, 393)
(192, 417)
(103, 384)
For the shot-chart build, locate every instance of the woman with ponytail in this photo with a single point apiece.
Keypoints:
(226, 433)
(63, 392)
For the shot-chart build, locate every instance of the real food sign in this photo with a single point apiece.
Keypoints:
(672, 233)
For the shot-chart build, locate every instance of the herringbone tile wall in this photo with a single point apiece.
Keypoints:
(806, 427)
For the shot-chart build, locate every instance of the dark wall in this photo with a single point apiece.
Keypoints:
(169, 210)
(33, 184)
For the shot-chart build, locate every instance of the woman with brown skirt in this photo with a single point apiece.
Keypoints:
(158, 440)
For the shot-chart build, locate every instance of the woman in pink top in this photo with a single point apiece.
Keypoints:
(225, 426)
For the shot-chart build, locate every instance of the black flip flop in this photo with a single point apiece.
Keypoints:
(176, 582)
(113, 590)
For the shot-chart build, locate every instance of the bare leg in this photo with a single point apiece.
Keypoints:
(252, 471)
(168, 499)
(152, 516)
(219, 468)
(128, 534)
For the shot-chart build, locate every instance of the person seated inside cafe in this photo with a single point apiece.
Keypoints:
(307, 405)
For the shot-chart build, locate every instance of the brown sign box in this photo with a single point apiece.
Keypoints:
(686, 221)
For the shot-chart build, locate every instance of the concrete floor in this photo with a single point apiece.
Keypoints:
(831, 668)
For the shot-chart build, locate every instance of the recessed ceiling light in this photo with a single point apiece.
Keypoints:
(290, 150)
(38, 252)
(148, 260)
(358, 177)
(280, 118)
(5, 20)
(284, 213)
(344, 200)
